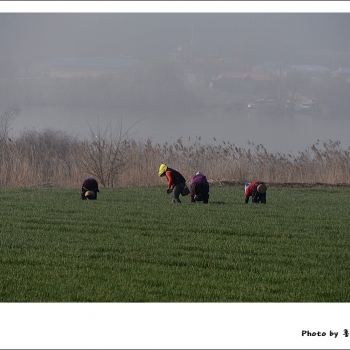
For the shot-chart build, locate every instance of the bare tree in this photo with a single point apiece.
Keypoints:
(6, 120)
(102, 154)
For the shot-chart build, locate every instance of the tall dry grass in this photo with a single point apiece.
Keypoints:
(324, 162)
(55, 159)
(46, 159)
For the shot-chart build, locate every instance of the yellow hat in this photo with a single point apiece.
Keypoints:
(162, 169)
(262, 188)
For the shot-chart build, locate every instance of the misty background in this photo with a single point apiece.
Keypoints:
(156, 101)
(35, 38)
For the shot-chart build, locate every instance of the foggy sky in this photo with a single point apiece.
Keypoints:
(39, 37)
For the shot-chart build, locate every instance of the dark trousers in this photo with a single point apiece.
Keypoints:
(200, 190)
(177, 191)
(258, 197)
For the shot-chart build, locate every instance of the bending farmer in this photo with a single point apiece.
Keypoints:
(257, 190)
(89, 189)
(176, 182)
(199, 188)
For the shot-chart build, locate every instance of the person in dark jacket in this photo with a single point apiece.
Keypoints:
(199, 188)
(176, 182)
(257, 190)
(89, 189)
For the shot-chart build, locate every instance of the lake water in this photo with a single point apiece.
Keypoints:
(277, 133)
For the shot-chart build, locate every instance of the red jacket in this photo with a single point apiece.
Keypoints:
(249, 189)
(174, 178)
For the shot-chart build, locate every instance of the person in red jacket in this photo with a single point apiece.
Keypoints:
(176, 182)
(257, 190)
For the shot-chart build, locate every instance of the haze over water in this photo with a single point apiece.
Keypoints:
(242, 39)
(276, 132)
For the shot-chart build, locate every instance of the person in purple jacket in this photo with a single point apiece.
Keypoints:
(89, 189)
(199, 188)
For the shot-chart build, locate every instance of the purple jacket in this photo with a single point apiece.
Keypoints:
(200, 178)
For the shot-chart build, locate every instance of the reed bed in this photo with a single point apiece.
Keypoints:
(55, 159)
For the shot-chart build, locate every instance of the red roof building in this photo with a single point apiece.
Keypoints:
(243, 81)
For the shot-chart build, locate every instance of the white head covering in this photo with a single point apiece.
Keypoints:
(198, 173)
(261, 188)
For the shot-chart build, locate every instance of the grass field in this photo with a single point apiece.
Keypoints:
(134, 245)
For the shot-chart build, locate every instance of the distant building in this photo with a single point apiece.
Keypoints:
(77, 67)
(191, 75)
(272, 68)
(188, 56)
(242, 81)
(343, 72)
(328, 58)
(181, 55)
(307, 71)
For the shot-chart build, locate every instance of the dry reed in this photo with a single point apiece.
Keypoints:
(53, 158)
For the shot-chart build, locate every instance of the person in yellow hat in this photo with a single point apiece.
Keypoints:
(257, 190)
(176, 182)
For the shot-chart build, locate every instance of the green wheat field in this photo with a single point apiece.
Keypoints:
(133, 245)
